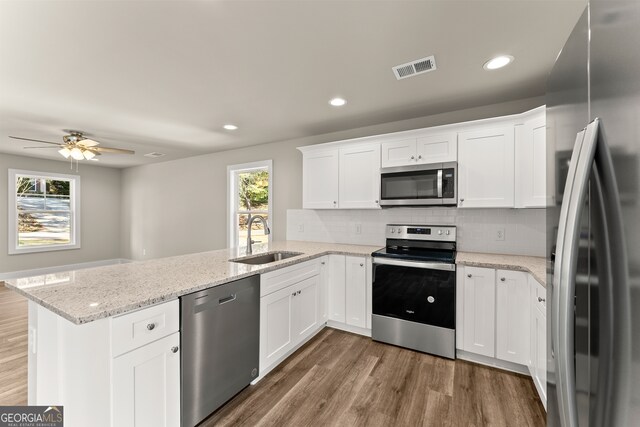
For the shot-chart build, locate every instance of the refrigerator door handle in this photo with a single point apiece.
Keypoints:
(565, 276)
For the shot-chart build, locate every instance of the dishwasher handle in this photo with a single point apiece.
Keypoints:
(227, 299)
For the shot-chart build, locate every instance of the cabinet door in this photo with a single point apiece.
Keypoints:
(437, 148)
(337, 288)
(531, 164)
(320, 179)
(479, 310)
(360, 177)
(356, 291)
(323, 289)
(276, 320)
(541, 354)
(146, 385)
(512, 316)
(486, 168)
(399, 153)
(305, 308)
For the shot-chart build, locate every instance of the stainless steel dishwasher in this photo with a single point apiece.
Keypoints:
(220, 329)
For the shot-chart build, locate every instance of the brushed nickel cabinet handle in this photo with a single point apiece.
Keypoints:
(469, 275)
(502, 279)
(540, 299)
(174, 349)
(151, 326)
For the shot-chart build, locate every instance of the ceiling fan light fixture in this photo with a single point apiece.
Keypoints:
(88, 154)
(76, 153)
(65, 152)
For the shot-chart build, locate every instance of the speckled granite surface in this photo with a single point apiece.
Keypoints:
(83, 296)
(537, 266)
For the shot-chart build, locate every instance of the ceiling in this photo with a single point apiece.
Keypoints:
(166, 76)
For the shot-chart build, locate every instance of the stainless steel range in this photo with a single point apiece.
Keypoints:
(414, 289)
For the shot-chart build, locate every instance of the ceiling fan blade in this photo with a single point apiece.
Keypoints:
(88, 142)
(112, 150)
(41, 147)
(35, 140)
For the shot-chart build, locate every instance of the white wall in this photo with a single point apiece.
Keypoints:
(161, 216)
(100, 215)
(524, 228)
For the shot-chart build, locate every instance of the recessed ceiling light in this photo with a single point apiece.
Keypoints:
(338, 102)
(230, 127)
(498, 62)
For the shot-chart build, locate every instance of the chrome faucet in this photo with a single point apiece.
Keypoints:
(266, 231)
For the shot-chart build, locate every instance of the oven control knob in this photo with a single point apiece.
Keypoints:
(393, 230)
(431, 299)
(447, 233)
(440, 232)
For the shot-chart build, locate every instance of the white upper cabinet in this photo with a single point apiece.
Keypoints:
(424, 149)
(486, 168)
(359, 177)
(531, 160)
(437, 148)
(320, 179)
(399, 153)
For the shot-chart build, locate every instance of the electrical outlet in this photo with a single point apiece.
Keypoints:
(358, 228)
(500, 234)
(144, 252)
(300, 228)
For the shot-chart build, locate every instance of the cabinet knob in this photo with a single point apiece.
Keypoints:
(377, 201)
(299, 292)
(361, 265)
(335, 203)
(469, 275)
(502, 279)
(293, 294)
(174, 349)
(151, 326)
(461, 200)
(322, 263)
(540, 299)
(413, 157)
(420, 157)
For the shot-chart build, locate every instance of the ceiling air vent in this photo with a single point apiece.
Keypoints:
(154, 154)
(414, 68)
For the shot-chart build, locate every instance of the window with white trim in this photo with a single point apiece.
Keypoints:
(250, 189)
(44, 211)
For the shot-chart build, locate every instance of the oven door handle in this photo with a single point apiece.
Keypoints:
(415, 264)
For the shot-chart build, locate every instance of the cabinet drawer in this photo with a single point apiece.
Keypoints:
(136, 329)
(280, 279)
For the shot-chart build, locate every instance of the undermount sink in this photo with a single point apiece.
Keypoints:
(266, 258)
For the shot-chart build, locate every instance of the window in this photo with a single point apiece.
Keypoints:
(44, 211)
(249, 195)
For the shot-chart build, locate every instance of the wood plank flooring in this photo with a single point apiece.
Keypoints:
(337, 379)
(342, 379)
(13, 348)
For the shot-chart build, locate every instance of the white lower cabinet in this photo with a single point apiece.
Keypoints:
(356, 291)
(478, 305)
(538, 350)
(146, 385)
(337, 288)
(512, 316)
(288, 317)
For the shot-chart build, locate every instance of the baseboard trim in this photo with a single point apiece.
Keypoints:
(59, 268)
(353, 329)
(493, 362)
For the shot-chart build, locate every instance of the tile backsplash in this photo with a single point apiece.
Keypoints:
(523, 230)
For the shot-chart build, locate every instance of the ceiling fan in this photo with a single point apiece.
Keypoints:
(77, 146)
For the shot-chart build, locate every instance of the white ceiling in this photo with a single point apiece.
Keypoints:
(165, 76)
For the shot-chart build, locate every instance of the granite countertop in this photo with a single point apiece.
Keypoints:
(537, 266)
(90, 294)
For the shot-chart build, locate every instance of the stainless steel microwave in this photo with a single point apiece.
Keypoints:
(419, 185)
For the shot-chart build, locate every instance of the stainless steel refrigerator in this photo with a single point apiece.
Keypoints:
(593, 229)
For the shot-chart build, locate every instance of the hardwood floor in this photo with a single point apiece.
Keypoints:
(13, 348)
(341, 379)
(337, 379)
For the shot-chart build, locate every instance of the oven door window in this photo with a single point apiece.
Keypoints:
(415, 294)
(409, 185)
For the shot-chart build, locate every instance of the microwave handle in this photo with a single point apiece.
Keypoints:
(440, 183)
